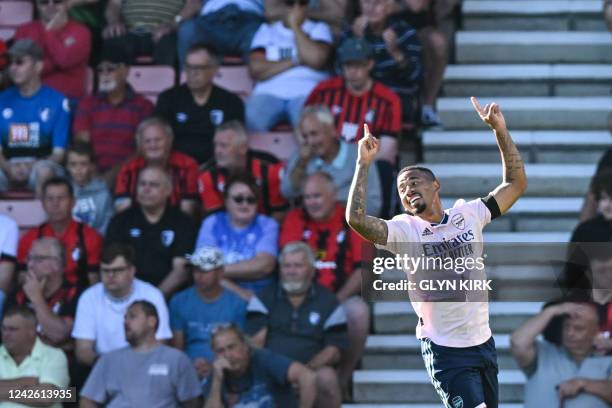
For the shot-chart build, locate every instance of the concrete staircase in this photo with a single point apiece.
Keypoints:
(549, 66)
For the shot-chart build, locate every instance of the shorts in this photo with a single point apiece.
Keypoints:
(464, 377)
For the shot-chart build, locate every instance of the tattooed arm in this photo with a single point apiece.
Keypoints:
(514, 182)
(371, 228)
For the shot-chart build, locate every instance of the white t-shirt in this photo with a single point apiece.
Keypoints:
(249, 6)
(279, 43)
(101, 319)
(9, 236)
(451, 324)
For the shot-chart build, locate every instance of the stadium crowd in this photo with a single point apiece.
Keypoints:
(177, 265)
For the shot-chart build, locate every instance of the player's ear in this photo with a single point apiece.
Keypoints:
(436, 184)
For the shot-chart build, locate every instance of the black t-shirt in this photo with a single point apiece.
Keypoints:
(157, 244)
(194, 125)
(605, 163)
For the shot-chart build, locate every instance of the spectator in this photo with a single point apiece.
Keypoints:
(66, 45)
(598, 229)
(397, 52)
(9, 235)
(229, 25)
(4, 79)
(45, 289)
(196, 311)
(334, 13)
(253, 377)
(379, 106)
(287, 61)
(322, 150)
(600, 275)
(247, 239)
(197, 107)
(26, 363)
(108, 120)
(34, 124)
(338, 250)
(589, 207)
(94, 203)
(82, 244)
(160, 234)
(232, 156)
(566, 373)
(124, 377)
(302, 320)
(154, 140)
(608, 13)
(147, 27)
(98, 327)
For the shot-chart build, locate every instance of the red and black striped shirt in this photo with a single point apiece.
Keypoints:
(380, 108)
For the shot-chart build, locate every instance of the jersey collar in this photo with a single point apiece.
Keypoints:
(443, 222)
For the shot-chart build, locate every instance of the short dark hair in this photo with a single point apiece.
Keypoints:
(114, 250)
(209, 48)
(83, 149)
(244, 178)
(57, 181)
(148, 308)
(419, 168)
(228, 327)
(21, 310)
(602, 183)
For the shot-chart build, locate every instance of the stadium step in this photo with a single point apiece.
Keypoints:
(535, 113)
(399, 317)
(545, 180)
(533, 46)
(558, 146)
(387, 386)
(528, 80)
(517, 15)
(396, 352)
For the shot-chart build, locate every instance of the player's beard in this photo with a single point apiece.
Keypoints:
(420, 208)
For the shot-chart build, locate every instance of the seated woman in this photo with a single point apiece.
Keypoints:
(248, 240)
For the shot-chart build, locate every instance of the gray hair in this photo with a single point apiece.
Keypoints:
(298, 246)
(237, 127)
(54, 243)
(153, 121)
(321, 112)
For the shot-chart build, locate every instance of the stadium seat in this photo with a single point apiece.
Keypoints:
(27, 213)
(151, 80)
(15, 13)
(6, 33)
(280, 144)
(235, 79)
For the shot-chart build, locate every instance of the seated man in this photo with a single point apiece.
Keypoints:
(9, 235)
(98, 327)
(34, 125)
(81, 243)
(196, 311)
(322, 150)
(45, 289)
(317, 335)
(232, 155)
(565, 374)
(160, 234)
(66, 45)
(154, 142)
(197, 107)
(256, 377)
(379, 106)
(397, 52)
(93, 201)
(287, 61)
(333, 12)
(125, 377)
(338, 251)
(147, 27)
(108, 119)
(26, 363)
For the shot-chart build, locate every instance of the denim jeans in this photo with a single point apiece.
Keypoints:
(264, 111)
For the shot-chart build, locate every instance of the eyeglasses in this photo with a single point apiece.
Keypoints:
(300, 2)
(113, 271)
(107, 68)
(17, 61)
(239, 199)
(41, 258)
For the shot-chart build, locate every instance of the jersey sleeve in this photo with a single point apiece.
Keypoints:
(25, 243)
(191, 182)
(123, 182)
(93, 242)
(61, 128)
(275, 197)
(211, 198)
(261, 37)
(399, 232)
(479, 210)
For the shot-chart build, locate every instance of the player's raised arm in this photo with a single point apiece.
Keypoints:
(371, 228)
(514, 181)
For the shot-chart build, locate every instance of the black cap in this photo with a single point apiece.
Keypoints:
(354, 49)
(26, 47)
(114, 54)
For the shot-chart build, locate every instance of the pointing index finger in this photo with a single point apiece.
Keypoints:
(366, 131)
(476, 104)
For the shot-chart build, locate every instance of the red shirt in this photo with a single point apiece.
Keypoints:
(267, 175)
(82, 243)
(183, 170)
(337, 247)
(66, 55)
(380, 108)
(111, 127)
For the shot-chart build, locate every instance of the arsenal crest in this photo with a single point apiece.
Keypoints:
(458, 221)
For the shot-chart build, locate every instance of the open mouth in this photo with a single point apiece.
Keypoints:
(414, 199)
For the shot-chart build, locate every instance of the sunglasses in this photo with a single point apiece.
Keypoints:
(239, 199)
(293, 2)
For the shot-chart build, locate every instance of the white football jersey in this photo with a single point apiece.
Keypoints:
(451, 324)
